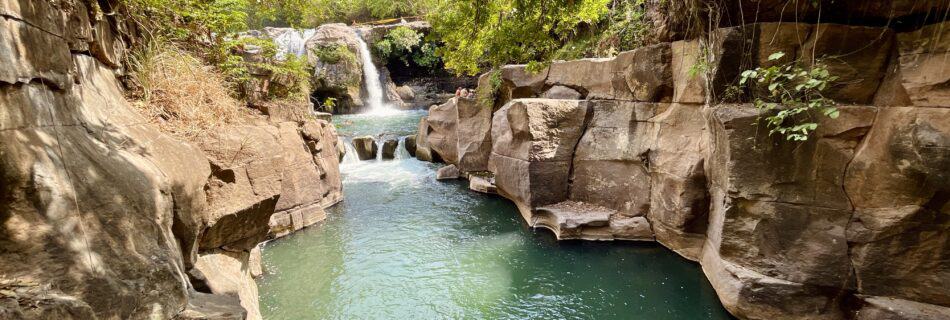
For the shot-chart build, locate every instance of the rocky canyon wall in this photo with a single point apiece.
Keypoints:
(851, 224)
(102, 216)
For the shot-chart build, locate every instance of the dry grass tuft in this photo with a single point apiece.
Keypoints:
(182, 95)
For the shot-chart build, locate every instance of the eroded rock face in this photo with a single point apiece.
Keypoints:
(245, 185)
(423, 151)
(533, 142)
(228, 273)
(443, 136)
(83, 178)
(898, 183)
(102, 215)
(474, 135)
(410, 145)
(679, 199)
(773, 203)
(922, 65)
(859, 70)
(341, 77)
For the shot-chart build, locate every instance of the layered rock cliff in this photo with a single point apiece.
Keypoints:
(102, 216)
(850, 224)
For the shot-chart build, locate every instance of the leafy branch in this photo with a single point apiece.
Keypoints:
(795, 92)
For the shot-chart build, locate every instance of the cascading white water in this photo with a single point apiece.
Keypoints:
(374, 89)
(379, 149)
(350, 157)
(401, 152)
(293, 42)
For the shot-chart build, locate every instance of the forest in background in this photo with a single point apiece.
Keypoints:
(472, 35)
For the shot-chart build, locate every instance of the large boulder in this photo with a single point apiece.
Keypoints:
(443, 136)
(310, 176)
(338, 72)
(447, 173)
(898, 182)
(474, 135)
(779, 213)
(533, 145)
(244, 187)
(519, 82)
(410, 145)
(613, 154)
(643, 74)
(423, 151)
(389, 148)
(228, 273)
(366, 147)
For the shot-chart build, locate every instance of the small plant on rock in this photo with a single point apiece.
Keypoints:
(792, 95)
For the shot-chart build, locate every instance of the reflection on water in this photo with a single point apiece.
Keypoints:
(402, 245)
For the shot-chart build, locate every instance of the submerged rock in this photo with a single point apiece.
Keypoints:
(366, 147)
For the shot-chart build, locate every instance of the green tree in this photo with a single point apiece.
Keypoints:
(485, 33)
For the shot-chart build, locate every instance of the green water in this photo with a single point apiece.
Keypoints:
(404, 246)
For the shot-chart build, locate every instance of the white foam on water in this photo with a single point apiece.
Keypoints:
(350, 158)
(401, 152)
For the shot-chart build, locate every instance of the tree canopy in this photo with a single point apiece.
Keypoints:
(479, 33)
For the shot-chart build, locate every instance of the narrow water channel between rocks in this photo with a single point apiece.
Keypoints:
(405, 246)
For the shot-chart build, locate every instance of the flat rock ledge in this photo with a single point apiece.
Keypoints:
(572, 220)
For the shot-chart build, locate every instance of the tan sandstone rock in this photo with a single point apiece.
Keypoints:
(924, 73)
(779, 213)
(898, 182)
(443, 136)
(228, 273)
(474, 135)
(366, 147)
(533, 143)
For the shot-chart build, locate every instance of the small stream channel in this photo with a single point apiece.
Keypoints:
(402, 245)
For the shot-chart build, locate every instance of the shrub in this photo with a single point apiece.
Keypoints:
(400, 42)
(334, 53)
(792, 95)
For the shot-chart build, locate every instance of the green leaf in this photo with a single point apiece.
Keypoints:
(776, 56)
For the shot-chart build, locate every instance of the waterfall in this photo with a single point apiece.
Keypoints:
(293, 42)
(350, 157)
(374, 88)
(401, 152)
(379, 149)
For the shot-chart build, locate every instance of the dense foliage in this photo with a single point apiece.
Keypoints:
(479, 33)
(408, 47)
(311, 13)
